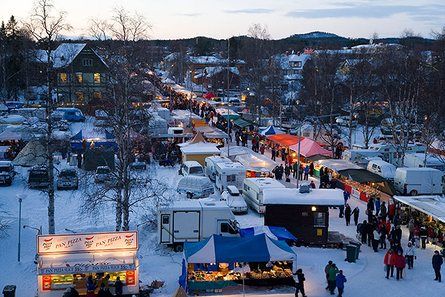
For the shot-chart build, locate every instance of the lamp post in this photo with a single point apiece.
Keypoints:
(20, 198)
(71, 231)
(39, 230)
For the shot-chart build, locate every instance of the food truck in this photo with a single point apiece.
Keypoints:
(67, 260)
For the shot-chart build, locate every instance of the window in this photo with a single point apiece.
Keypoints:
(97, 95)
(165, 220)
(79, 77)
(97, 78)
(231, 178)
(319, 219)
(87, 62)
(63, 77)
(80, 96)
(227, 228)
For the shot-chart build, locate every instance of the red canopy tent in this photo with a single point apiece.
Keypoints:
(309, 148)
(285, 140)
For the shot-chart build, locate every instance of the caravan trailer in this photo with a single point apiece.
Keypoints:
(253, 191)
(229, 174)
(210, 163)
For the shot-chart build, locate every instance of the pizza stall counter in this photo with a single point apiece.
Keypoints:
(68, 260)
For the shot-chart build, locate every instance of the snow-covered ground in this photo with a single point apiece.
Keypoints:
(365, 278)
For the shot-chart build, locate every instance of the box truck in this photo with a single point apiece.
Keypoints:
(194, 220)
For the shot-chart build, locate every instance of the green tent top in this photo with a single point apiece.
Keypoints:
(361, 175)
(242, 123)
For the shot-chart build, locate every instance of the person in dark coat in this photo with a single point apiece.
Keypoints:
(423, 236)
(370, 209)
(348, 212)
(311, 169)
(91, 286)
(312, 184)
(295, 170)
(79, 160)
(356, 213)
(397, 235)
(326, 271)
(340, 281)
(118, 287)
(364, 231)
(383, 210)
(273, 153)
(299, 285)
(437, 262)
(287, 172)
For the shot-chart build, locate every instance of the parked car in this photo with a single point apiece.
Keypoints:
(195, 186)
(7, 173)
(234, 200)
(38, 177)
(67, 179)
(191, 168)
(102, 175)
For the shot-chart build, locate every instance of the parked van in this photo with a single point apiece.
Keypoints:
(418, 181)
(229, 174)
(382, 168)
(210, 162)
(191, 168)
(38, 177)
(194, 220)
(253, 191)
(195, 186)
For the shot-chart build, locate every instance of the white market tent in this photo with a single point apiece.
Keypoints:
(256, 162)
(287, 196)
(34, 153)
(338, 164)
(430, 205)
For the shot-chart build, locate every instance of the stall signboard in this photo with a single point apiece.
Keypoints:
(92, 242)
(86, 268)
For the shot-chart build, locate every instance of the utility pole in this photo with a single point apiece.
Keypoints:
(227, 96)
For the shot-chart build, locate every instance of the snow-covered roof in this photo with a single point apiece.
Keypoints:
(266, 183)
(209, 72)
(430, 158)
(287, 196)
(63, 55)
(430, 205)
(200, 148)
(338, 165)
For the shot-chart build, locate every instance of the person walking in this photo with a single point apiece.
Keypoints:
(273, 153)
(118, 287)
(348, 212)
(437, 262)
(383, 236)
(299, 283)
(383, 210)
(306, 172)
(356, 213)
(326, 272)
(364, 231)
(400, 264)
(340, 281)
(388, 260)
(295, 170)
(377, 206)
(332, 274)
(410, 255)
(287, 173)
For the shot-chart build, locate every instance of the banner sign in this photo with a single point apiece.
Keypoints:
(93, 242)
(86, 268)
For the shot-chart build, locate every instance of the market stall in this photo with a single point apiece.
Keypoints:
(271, 130)
(256, 165)
(215, 263)
(310, 148)
(198, 149)
(426, 212)
(80, 142)
(283, 140)
(67, 260)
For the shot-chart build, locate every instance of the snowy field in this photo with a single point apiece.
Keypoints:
(365, 278)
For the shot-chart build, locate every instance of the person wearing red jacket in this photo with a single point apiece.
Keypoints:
(399, 263)
(389, 262)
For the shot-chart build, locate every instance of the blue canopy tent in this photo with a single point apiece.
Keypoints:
(277, 233)
(252, 249)
(271, 130)
(76, 142)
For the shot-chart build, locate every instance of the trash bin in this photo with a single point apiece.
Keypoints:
(9, 291)
(351, 253)
(358, 245)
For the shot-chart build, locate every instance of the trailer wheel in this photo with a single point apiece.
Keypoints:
(413, 193)
(178, 248)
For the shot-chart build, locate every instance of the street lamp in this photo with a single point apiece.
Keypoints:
(71, 231)
(20, 198)
(39, 230)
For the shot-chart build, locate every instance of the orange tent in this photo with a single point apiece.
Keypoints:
(285, 140)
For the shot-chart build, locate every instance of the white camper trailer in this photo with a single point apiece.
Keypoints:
(418, 181)
(194, 220)
(253, 191)
(229, 174)
(210, 162)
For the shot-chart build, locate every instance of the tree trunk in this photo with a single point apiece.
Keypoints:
(118, 210)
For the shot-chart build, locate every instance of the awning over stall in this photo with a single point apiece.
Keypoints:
(361, 175)
(242, 123)
(429, 205)
(285, 140)
(338, 165)
(310, 148)
(220, 249)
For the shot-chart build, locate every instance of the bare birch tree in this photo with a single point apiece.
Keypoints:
(46, 26)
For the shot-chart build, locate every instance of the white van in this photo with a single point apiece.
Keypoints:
(382, 168)
(229, 174)
(253, 191)
(210, 162)
(191, 168)
(194, 220)
(195, 186)
(418, 181)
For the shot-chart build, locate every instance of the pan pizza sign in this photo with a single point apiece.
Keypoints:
(86, 268)
(93, 242)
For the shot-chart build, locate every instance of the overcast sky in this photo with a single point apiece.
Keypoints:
(225, 18)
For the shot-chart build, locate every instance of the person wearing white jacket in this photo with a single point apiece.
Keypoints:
(410, 255)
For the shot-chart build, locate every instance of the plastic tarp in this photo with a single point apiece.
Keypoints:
(220, 249)
(277, 233)
(310, 148)
(285, 140)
